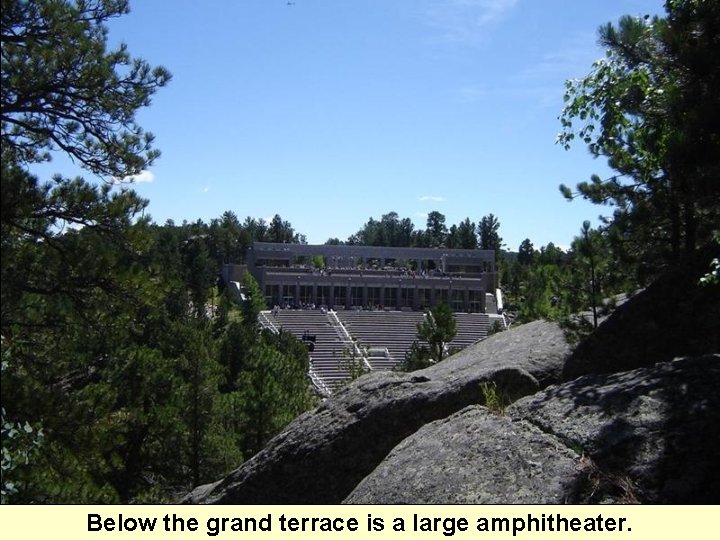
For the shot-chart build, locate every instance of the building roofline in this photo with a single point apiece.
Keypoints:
(268, 248)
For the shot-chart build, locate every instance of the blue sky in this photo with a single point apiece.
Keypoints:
(329, 112)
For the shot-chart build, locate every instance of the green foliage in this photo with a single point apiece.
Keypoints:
(650, 106)
(274, 390)
(115, 386)
(496, 328)
(353, 362)
(235, 348)
(576, 328)
(254, 301)
(391, 230)
(227, 239)
(542, 292)
(434, 333)
(281, 231)
(555, 285)
(437, 329)
(20, 445)
(713, 275)
(462, 236)
(202, 377)
(63, 89)
(417, 357)
(493, 399)
(75, 319)
(436, 230)
(489, 235)
(526, 253)
(224, 240)
(466, 233)
(200, 274)
(589, 252)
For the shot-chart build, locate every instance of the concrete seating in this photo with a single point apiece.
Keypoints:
(471, 328)
(328, 350)
(391, 330)
(384, 336)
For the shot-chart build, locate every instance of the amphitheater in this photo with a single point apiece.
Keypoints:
(362, 304)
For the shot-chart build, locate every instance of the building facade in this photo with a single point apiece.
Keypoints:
(372, 277)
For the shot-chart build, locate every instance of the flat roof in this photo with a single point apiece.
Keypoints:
(277, 250)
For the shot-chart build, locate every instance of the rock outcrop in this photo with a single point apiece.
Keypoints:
(673, 317)
(472, 457)
(636, 426)
(647, 435)
(324, 454)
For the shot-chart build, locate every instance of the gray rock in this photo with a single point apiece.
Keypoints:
(472, 457)
(324, 454)
(648, 435)
(538, 347)
(673, 317)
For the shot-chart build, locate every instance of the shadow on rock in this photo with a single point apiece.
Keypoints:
(649, 435)
(673, 317)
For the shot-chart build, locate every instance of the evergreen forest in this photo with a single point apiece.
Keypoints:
(129, 374)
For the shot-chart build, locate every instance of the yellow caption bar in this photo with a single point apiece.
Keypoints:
(359, 522)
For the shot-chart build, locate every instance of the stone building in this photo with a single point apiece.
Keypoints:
(372, 277)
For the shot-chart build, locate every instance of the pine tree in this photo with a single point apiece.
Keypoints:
(651, 107)
(489, 235)
(75, 296)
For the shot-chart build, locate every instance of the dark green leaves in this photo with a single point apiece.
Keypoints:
(63, 90)
(651, 108)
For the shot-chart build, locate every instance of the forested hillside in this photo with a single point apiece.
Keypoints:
(128, 375)
(125, 375)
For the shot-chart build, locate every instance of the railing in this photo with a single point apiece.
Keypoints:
(499, 300)
(317, 381)
(322, 388)
(267, 323)
(347, 339)
(505, 321)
